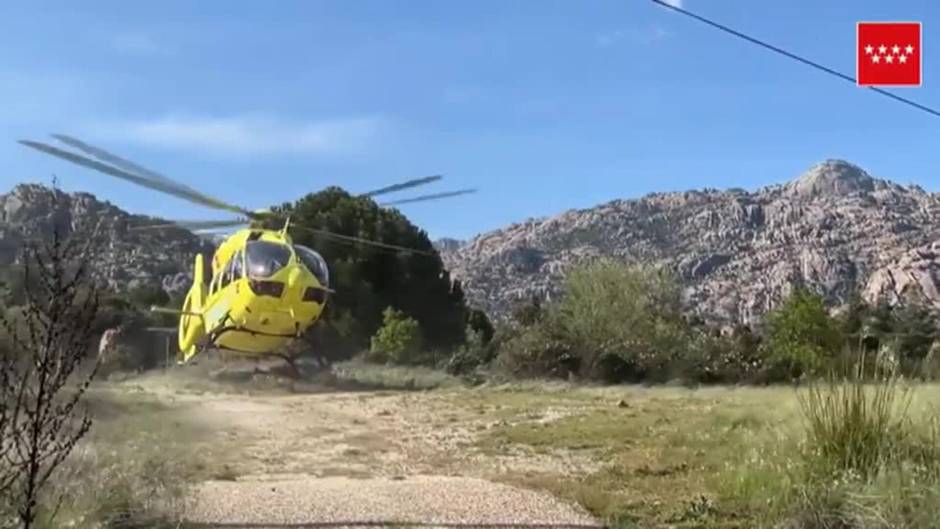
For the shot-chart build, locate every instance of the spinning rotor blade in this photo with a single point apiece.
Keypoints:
(404, 185)
(194, 224)
(149, 179)
(435, 196)
(116, 161)
(348, 238)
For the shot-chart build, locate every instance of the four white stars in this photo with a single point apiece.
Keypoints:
(889, 58)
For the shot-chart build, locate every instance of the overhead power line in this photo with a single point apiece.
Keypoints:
(796, 57)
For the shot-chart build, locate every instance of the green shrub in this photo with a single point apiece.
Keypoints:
(476, 352)
(537, 351)
(802, 337)
(904, 336)
(479, 323)
(614, 322)
(398, 340)
(528, 313)
(615, 314)
(712, 358)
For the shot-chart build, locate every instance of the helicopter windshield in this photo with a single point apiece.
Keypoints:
(314, 263)
(265, 258)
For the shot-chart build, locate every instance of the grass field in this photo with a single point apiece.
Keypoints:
(633, 456)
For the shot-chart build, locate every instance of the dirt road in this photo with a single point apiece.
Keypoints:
(367, 457)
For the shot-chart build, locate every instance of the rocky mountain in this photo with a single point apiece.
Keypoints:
(123, 259)
(835, 229)
(447, 244)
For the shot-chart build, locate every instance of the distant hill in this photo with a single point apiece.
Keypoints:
(126, 259)
(835, 229)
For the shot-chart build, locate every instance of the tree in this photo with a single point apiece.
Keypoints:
(368, 279)
(398, 340)
(852, 320)
(915, 330)
(479, 323)
(39, 420)
(802, 337)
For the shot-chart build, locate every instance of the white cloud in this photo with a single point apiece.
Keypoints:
(247, 134)
(674, 3)
(135, 43)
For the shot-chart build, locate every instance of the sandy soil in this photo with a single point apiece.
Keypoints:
(359, 456)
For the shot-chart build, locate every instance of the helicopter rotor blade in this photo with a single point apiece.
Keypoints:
(162, 184)
(435, 196)
(360, 240)
(404, 185)
(194, 224)
(117, 161)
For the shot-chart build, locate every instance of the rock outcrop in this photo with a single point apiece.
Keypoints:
(122, 259)
(835, 229)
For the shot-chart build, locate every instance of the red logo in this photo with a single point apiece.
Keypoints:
(889, 54)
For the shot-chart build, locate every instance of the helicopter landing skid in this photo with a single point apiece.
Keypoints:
(210, 341)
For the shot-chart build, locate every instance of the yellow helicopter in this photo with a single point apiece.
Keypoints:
(263, 290)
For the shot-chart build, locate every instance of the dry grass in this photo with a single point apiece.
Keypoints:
(637, 456)
(130, 471)
(720, 457)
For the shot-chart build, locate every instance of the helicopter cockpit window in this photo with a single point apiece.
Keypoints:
(265, 258)
(314, 263)
(233, 271)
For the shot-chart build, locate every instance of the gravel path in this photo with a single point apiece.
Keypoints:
(427, 501)
(334, 458)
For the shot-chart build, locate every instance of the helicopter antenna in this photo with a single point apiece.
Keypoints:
(286, 225)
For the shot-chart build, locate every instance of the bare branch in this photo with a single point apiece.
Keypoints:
(39, 423)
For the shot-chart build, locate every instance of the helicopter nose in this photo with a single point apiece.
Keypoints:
(294, 277)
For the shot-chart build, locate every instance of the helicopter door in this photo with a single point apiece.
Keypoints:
(215, 316)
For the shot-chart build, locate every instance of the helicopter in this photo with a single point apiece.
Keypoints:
(262, 290)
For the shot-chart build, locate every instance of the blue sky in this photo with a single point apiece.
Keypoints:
(544, 105)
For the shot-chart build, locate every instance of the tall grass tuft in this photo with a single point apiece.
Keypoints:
(857, 422)
(868, 461)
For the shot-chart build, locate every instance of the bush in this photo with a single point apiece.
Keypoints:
(712, 358)
(398, 340)
(904, 336)
(915, 331)
(476, 352)
(528, 313)
(536, 352)
(802, 337)
(480, 325)
(614, 322)
(627, 315)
